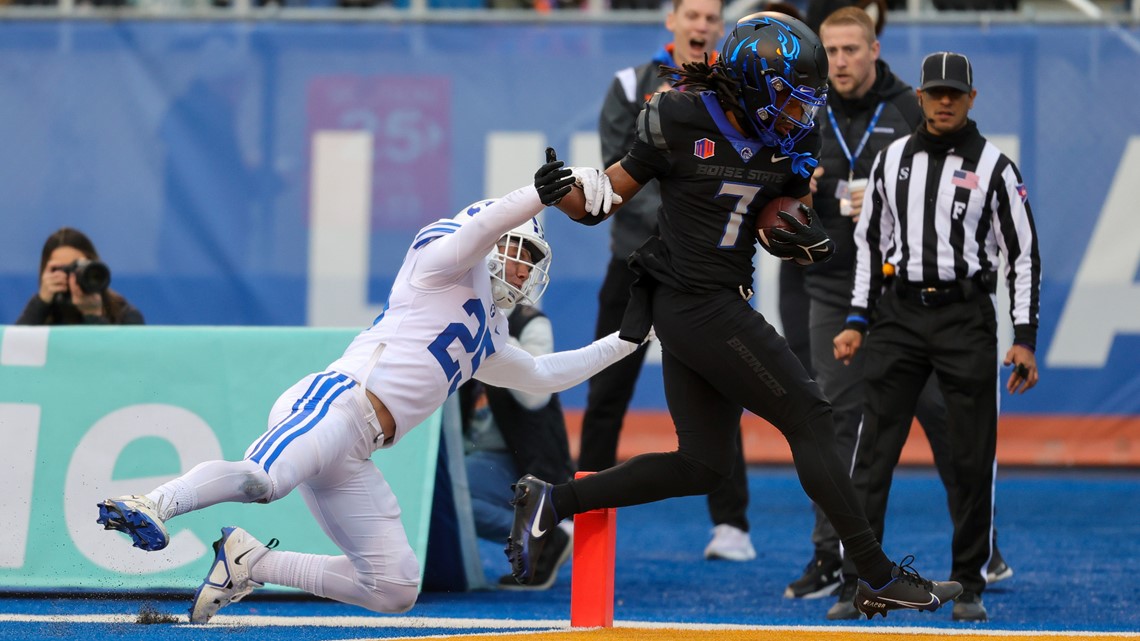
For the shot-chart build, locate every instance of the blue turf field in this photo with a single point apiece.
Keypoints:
(1071, 536)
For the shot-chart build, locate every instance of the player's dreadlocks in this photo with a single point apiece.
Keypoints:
(706, 75)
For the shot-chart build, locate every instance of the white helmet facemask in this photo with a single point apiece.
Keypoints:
(525, 244)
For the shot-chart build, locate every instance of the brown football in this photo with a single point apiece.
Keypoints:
(767, 220)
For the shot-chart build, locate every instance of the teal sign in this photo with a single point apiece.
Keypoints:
(90, 413)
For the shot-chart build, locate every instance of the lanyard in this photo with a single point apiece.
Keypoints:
(852, 157)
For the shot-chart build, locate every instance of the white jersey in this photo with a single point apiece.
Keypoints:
(440, 326)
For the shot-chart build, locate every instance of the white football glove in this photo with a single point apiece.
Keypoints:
(596, 188)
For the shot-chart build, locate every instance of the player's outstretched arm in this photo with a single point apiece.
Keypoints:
(515, 368)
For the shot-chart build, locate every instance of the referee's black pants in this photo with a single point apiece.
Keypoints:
(958, 342)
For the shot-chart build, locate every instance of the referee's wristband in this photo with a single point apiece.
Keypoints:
(857, 323)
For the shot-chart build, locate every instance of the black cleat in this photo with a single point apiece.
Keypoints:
(821, 578)
(906, 590)
(554, 554)
(534, 519)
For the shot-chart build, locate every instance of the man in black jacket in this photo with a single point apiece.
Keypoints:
(697, 27)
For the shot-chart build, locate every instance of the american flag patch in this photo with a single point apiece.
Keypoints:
(704, 148)
(967, 179)
(1023, 192)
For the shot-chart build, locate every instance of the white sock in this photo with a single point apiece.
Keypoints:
(211, 483)
(293, 569)
(174, 498)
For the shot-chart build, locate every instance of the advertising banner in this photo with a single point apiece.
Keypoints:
(92, 413)
(274, 172)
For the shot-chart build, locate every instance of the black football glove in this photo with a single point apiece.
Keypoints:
(552, 180)
(807, 244)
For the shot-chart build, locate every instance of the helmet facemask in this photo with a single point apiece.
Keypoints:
(524, 245)
(774, 107)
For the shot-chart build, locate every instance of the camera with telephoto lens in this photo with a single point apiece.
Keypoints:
(92, 276)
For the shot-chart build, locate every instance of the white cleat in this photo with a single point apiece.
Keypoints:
(228, 581)
(138, 517)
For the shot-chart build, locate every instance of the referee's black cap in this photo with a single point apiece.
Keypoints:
(947, 69)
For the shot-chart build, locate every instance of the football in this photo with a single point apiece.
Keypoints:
(768, 219)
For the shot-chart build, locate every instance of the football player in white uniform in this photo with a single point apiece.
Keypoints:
(445, 322)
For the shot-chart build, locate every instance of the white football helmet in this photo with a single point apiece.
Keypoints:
(529, 236)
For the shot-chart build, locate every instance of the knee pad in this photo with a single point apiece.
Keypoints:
(392, 588)
(387, 597)
(258, 487)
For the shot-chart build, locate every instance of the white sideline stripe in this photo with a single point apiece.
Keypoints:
(865, 629)
(535, 624)
(287, 621)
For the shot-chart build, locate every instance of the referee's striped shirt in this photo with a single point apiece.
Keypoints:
(942, 218)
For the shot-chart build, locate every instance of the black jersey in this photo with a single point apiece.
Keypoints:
(714, 181)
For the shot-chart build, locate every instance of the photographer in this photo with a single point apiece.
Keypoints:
(74, 287)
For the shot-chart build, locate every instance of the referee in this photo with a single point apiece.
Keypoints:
(943, 203)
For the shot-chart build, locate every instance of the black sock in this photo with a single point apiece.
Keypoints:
(564, 500)
(873, 565)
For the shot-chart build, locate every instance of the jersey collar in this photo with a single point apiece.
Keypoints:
(747, 148)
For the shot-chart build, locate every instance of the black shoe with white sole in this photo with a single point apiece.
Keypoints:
(969, 607)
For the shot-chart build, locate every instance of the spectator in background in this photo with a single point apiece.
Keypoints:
(508, 433)
(697, 26)
(937, 312)
(74, 286)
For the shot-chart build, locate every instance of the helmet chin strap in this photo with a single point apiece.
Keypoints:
(502, 295)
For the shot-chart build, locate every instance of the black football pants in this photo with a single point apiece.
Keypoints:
(720, 355)
(608, 400)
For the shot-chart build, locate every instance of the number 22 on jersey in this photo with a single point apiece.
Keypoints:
(477, 344)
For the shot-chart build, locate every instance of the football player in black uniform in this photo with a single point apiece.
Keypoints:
(738, 136)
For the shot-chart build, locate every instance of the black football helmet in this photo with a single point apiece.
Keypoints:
(768, 54)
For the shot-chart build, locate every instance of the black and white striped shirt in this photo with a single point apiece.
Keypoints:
(942, 218)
